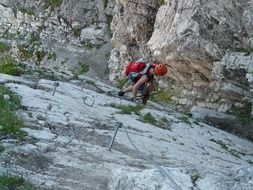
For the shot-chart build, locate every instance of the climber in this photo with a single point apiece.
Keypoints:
(141, 78)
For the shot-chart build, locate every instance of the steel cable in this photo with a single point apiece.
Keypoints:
(143, 155)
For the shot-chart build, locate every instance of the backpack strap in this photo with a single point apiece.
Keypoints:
(145, 69)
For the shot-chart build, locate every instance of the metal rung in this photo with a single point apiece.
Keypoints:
(89, 101)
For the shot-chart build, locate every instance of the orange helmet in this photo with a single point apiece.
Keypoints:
(160, 69)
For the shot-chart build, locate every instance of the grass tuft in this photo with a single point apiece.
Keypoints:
(84, 68)
(149, 118)
(9, 66)
(52, 56)
(9, 121)
(161, 2)
(55, 3)
(4, 47)
(8, 182)
(25, 54)
(2, 148)
(162, 96)
(26, 10)
(121, 82)
(128, 109)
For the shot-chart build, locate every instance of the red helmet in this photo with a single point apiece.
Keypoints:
(160, 69)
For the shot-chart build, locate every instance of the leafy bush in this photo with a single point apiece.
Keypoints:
(9, 66)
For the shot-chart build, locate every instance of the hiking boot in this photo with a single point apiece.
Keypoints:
(121, 93)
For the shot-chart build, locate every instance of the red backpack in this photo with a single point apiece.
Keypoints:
(136, 67)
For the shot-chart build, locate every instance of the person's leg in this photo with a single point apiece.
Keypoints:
(146, 91)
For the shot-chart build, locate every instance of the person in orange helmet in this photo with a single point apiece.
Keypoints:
(141, 78)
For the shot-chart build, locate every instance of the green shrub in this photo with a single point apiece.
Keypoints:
(11, 124)
(24, 54)
(247, 51)
(34, 37)
(149, 118)
(40, 55)
(77, 32)
(46, 74)
(161, 2)
(8, 182)
(55, 3)
(9, 66)
(51, 56)
(244, 115)
(184, 118)
(7, 35)
(162, 123)
(105, 3)
(195, 176)
(109, 19)
(91, 82)
(4, 47)
(98, 45)
(89, 45)
(128, 109)
(2, 148)
(108, 55)
(28, 11)
(84, 68)
(162, 96)
(121, 82)
(9, 121)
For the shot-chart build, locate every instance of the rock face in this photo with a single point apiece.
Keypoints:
(59, 35)
(70, 126)
(208, 45)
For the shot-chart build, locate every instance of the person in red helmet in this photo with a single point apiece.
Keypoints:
(141, 78)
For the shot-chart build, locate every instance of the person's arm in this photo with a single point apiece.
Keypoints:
(137, 85)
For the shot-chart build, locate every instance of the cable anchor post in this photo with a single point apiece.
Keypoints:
(119, 124)
(56, 84)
